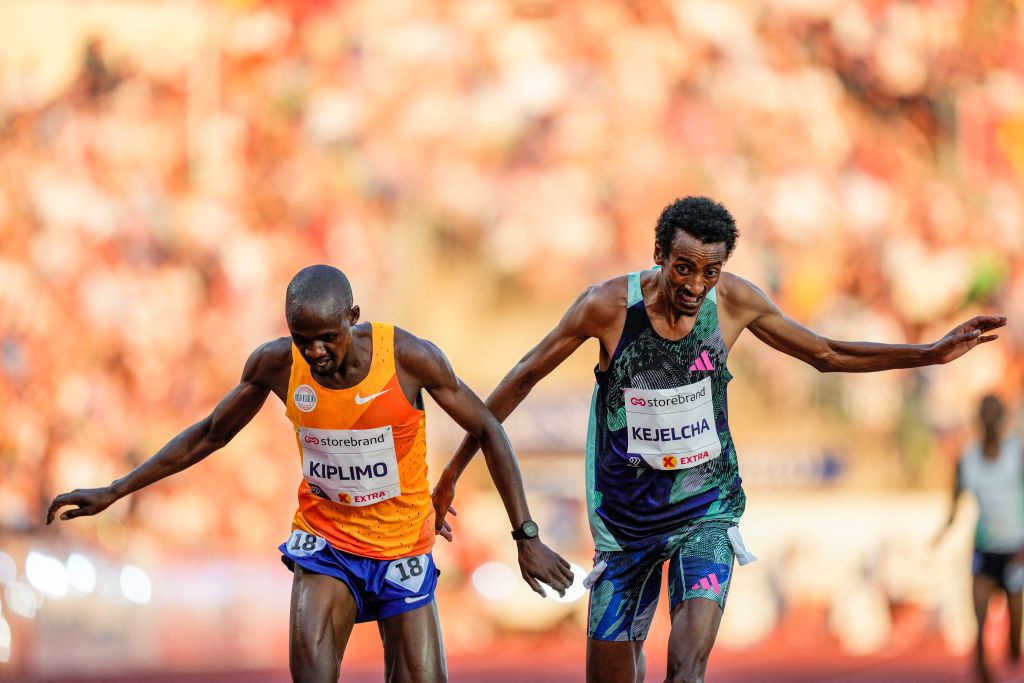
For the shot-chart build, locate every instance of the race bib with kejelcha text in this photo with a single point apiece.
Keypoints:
(350, 466)
(672, 429)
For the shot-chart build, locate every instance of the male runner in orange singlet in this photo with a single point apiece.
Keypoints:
(361, 538)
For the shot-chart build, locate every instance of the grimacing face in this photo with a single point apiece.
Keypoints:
(322, 338)
(690, 271)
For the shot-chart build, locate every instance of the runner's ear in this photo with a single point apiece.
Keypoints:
(353, 315)
(659, 258)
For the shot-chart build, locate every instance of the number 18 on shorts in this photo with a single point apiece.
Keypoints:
(382, 588)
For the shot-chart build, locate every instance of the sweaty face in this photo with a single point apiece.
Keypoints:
(689, 271)
(323, 339)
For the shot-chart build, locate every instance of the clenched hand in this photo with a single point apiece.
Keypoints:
(537, 562)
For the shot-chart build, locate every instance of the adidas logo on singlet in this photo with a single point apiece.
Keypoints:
(703, 363)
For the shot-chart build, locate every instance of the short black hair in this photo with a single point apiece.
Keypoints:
(704, 218)
(323, 288)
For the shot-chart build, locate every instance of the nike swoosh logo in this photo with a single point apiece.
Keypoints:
(360, 400)
(417, 599)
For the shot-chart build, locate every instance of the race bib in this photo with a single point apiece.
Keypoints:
(409, 572)
(356, 467)
(303, 544)
(672, 429)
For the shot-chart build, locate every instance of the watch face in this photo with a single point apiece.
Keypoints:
(529, 529)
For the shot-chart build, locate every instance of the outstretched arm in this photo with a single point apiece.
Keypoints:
(771, 326)
(190, 446)
(589, 315)
(428, 364)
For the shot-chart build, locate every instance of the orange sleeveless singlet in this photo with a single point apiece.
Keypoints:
(363, 454)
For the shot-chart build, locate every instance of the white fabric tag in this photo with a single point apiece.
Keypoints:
(594, 574)
(409, 572)
(672, 428)
(743, 556)
(304, 544)
(355, 467)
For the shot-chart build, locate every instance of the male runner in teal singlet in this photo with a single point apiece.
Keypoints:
(662, 477)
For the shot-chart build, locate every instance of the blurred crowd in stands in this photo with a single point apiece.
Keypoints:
(468, 163)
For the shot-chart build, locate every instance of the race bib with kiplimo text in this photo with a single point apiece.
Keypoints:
(672, 429)
(350, 466)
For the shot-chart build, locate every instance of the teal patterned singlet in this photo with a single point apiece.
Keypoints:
(659, 450)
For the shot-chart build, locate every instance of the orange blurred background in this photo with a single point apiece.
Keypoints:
(166, 167)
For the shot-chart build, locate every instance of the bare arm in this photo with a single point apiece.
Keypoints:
(431, 368)
(193, 444)
(764, 319)
(591, 315)
(957, 490)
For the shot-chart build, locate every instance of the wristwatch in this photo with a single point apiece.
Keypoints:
(527, 529)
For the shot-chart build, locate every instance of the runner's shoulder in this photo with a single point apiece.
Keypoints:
(421, 357)
(604, 302)
(738, 293)
(269, 361)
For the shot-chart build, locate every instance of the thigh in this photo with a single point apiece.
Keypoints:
(982, 588)
(413, 649)
(702, 564)
(624, 597)
(615, 662)
(1014, 604)
(323, 611)
(700, 574)
(695, 625)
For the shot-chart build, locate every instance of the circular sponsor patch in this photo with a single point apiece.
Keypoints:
(305, 398)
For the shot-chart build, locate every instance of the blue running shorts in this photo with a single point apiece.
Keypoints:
(381, 588)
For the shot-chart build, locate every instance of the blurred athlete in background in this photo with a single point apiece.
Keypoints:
(992, 469)
(361, 539)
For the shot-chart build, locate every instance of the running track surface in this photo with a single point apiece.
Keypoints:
(761, 665)
(860, 671)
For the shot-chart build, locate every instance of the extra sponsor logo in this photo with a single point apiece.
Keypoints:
(361, 498)
(671, 462)
(304, 398)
